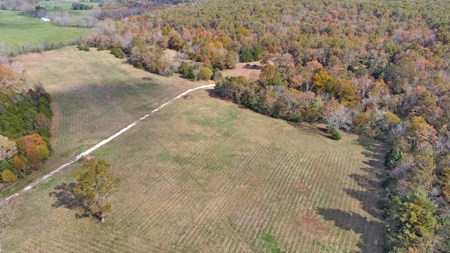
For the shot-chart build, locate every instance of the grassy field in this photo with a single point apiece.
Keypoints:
(113, 89)
(201, 175)
(19, 29)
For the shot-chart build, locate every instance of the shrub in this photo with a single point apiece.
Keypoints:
(118, 52)
(393, 158)
(185, 69)
(295, 117)
(217, 75)
(139, 65)
(83, 47)
(205, 74)
(335, 134)
(168, 71)
(101, 47)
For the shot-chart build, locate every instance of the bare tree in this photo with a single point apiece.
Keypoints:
(336, 116)
(17, 66)
(7, 148)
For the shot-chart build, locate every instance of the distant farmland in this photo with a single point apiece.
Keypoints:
(201, 175)
(18, 29)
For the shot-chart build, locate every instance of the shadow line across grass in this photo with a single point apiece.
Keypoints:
(369, 199)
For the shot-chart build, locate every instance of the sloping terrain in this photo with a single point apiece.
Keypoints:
(201, 175)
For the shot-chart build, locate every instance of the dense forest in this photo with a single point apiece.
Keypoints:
(376, 68)
(25, 118)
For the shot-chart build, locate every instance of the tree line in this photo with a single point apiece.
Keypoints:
(25, 121)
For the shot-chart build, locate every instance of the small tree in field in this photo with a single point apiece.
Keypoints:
(95, 183)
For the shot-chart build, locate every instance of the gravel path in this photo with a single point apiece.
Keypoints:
(103, 142)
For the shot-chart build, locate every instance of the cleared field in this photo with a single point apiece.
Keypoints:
(94, 95)
(201, 175)
(18, 29)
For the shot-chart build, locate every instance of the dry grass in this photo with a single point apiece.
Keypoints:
(203, 175)
(250, 70)
(170, 55)
(94, 95)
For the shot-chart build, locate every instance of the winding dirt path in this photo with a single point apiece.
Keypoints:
(103, 142)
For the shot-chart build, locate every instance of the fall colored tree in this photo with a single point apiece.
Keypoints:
(18, 164)
(7, 77)
(346, 92)
(267, 72)
(95, 184)
(320, 79)
(421, 134)
(34, 148)
(8, 176)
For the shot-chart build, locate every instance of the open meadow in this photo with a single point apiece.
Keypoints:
(94, 95)
(200, 175)
(18, 29)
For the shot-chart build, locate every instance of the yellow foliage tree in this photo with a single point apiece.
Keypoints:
(94, 185)
(320, 79)
(8, 176)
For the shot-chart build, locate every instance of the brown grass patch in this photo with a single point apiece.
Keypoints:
(250, 70)
(313, 227)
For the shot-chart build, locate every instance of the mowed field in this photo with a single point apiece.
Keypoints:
(18, 29)
(94, 95)
(200, 175)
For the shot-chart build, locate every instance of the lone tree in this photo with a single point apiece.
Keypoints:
(95, 183)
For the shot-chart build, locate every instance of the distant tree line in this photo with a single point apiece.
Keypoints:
(18, 5)
(81, 6)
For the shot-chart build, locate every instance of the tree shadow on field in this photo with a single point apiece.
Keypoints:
(311, 128)
(65, 198)
(370, 226)
(352, 221)
(215, 94)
